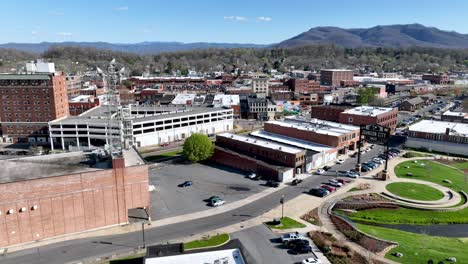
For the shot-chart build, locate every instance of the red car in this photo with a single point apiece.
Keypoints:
(342, 181)
(329, 188)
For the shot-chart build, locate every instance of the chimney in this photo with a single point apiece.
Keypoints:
(447, 131)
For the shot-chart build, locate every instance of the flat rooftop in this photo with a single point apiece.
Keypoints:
(261, 143)
(81, 98)
(459, 114)
(336, 70)
(230, 256)
(440, 127)
(37, 167)
(317, 126)
(226, 99)
(24, 77)
(368, 110)
(291, 141)
(183, 98)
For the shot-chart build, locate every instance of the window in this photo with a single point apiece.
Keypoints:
(350, 119)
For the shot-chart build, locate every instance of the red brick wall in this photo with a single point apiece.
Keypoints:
(70, 203)
(326, 112)
(389, 119)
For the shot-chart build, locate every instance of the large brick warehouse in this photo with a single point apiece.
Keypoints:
(40, 199)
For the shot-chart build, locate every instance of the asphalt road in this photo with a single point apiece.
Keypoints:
(80, 249)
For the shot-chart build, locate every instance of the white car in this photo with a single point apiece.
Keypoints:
(320, 171)
(311, 261)
(335, 183)
(340, 161)
(252, 175)
(352, 174)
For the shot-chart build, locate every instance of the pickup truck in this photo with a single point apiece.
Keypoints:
(291, 236)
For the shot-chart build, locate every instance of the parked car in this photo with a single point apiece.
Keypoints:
(342, 181)
(291, 236)
(298, 242)
(340, 161)
(335, 181)
(320, 171)
(302, 250)
(378, 160)
(296, 182)
(328, 188)
(216, 201)
(271, 183)
(342, 173)
(252, 176)
(326, 168)
(319, 192)
(311, 261)
(353, 174)
(186, 184)
(364, 168)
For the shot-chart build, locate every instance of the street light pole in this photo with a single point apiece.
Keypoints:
(143, 234)
(282, 206)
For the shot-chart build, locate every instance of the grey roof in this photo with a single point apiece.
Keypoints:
(37, 167)
(190, 111)
(415, 101)
(24, 77)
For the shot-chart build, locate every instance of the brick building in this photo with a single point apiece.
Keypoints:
(366, 115)
(412, 104)
(303, 85)
(458, 117)
(284, 159)
(73, 86)
(81, 104)
(333, 77)
(28, 102)
(437, 78)
(54, 195)
(339, 136)
(361, 115)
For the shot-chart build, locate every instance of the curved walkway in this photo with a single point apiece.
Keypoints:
(379, 187)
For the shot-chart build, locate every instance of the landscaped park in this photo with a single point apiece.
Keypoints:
(425, 212)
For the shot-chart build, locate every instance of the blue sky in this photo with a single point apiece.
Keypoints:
(239, 21)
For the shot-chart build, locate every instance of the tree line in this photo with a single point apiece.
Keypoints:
(314, 57)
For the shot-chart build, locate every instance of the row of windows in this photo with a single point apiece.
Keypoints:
(440, 137)
(7, 108)
(393, 116)
(178, 120)
(160, 128)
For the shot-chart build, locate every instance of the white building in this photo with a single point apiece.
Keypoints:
(226, 256)
(260, 85)
(137, 126)
(441, 136)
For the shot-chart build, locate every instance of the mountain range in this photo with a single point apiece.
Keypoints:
(395, 36)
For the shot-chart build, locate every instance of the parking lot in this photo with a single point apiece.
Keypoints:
(208, 180)
(264, 246)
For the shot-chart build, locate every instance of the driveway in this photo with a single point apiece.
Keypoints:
(264, 246)
(208, 180)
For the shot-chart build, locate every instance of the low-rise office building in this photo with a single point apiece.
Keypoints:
(340, 136)
(367, 115)
(441, 136)
(137, 125)
(412, 104)
(283, 160)
(459, 117)
(333, 77)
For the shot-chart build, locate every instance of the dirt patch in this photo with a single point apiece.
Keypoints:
(336, 252)
(368, 197)
(312, 217)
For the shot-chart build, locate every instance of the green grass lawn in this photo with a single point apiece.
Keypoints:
(438, 172)
(461, 165)
(287, 223)
(414, 154)
(433, 172)
(415, 191)
(354, 189)
(210, 242)
(418, 248)
(164, 155)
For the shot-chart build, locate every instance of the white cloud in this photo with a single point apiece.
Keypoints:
(122, 8)
(235, 18)
(64, 34)
(267, 19)
(34, 32)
